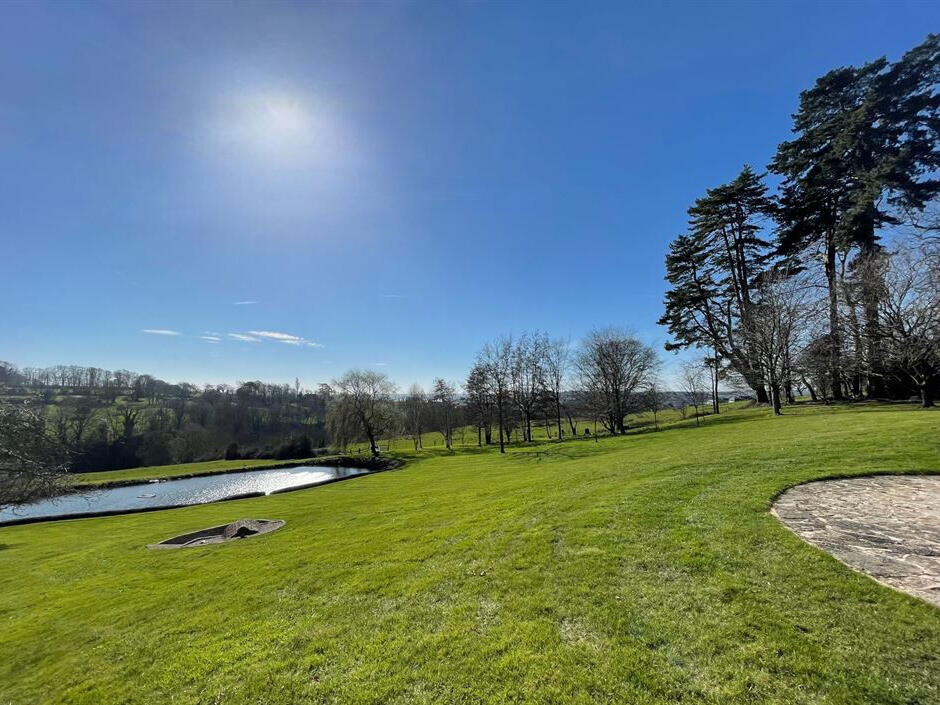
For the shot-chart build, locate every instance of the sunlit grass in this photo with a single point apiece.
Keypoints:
(641, 569)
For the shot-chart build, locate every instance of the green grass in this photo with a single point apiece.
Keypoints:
(644, 569)
(153, 472)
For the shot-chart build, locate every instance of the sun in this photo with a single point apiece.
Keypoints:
(282, 118)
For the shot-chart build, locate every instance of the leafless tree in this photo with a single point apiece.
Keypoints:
(444, 398)
(693, 385)
(527, 376)
(32, 461)
(613, 366)
(480, 402)
(556, 365)
(910, 317)
(774, 329)
(415, 411)
(361, 405)
(496, 361)
(653, 399)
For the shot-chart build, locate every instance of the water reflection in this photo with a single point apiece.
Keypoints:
(178, 493)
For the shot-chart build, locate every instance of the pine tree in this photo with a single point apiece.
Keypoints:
(712, 272)
(865, 149)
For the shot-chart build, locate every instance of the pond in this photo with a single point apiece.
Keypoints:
(179, 493)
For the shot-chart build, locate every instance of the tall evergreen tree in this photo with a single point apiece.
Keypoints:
(865, 147)
(712, 272)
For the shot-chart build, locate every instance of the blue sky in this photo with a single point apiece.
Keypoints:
(391, 184)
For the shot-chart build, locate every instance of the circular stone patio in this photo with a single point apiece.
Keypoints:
(885, 526)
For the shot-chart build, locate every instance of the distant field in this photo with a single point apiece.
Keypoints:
(639, 569)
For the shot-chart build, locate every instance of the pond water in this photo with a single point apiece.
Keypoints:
(178, 493)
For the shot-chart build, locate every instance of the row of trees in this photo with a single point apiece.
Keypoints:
(514, 384)
(534, 374)
(814, 285)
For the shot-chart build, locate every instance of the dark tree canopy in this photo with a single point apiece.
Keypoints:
(712, 272)
(32, 461)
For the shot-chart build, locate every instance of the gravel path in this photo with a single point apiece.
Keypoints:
(885, 526)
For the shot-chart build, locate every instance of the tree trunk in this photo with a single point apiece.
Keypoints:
(558, 416)
(926, 398)
(870, 298)
(835, 338)
(499, 412)
(812, 392)
(775, 396)
(715, 407)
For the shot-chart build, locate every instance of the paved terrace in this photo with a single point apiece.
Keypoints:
(887, 527)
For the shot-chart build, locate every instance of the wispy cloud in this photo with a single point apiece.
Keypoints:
(286, 338)
(279, 337)
(210, 338)
(380, 364)
(212, 333)
(244, 338)
(160, 331)
(244, 303)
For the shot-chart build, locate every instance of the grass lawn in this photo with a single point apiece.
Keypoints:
(642, 569)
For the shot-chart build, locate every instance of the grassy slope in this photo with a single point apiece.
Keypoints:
(641, 569)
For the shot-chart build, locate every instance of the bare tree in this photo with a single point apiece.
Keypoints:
(362, 404)
(496, 361)
(557, 362)
(910, 317)
(653, 400)
(415, 411)
(480, 402)
(715, 372)
(693, 384)
(526, 376)
(444, 398)
(774, 328)
(32, 461)
(613, 366)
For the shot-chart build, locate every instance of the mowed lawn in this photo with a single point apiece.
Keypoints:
(643, 569)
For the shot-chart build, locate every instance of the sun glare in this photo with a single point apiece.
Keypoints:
(282, 119)
(278, 127)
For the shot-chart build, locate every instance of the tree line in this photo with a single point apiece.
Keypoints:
(514, 384)
(832, 282)
(113, 420)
